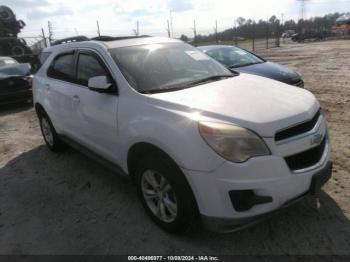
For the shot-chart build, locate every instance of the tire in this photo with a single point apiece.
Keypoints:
(172, 205)
(53, 142)
(6, 13)
(18, 50)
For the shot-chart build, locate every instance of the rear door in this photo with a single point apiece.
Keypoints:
(96, 112)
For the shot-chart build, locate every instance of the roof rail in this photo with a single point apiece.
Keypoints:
(103, 38)
(78, 38)
(106, 38)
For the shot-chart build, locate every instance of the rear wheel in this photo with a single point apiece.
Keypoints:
(165, 193)
(49, 134)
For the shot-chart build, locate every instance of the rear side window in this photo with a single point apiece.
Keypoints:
(89, 66)
(62, 68)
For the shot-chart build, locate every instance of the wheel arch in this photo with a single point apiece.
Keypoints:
(140, 149)
(39, 109)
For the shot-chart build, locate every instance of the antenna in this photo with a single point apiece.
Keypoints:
(302, 14)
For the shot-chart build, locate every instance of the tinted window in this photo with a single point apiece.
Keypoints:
(233, 56)
(89, 66)
(62, 68)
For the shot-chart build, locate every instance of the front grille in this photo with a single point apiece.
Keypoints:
(13, 84)
(298, 129)
(307, 158)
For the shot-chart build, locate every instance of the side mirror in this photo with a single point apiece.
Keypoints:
(99, 84)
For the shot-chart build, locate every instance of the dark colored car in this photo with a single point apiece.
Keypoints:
(15, 81)
(242, 61)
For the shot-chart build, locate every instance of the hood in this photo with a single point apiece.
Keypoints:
(253, 102)
(271, 70)
(18, 70)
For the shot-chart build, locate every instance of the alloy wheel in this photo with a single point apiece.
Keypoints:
(159, 196)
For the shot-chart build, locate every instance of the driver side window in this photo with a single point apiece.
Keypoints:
(89, 66)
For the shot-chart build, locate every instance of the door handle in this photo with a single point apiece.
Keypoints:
(76, 98)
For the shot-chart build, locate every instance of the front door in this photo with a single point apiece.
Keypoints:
(59, 87)
(96, 112)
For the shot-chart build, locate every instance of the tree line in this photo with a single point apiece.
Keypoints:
(248, 28)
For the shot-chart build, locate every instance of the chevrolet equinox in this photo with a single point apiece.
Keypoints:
(200, 142)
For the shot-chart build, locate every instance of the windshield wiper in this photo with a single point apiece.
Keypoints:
(161, 90)
(248, 64)
(186, 85)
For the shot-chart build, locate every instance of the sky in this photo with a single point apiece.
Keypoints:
(119, 17)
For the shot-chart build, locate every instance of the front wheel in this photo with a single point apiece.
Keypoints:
(165, 194)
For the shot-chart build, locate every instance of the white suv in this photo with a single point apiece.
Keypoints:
(200, 142)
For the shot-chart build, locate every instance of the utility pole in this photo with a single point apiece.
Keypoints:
(302, 14)
(44, 37)
(267, 34)
(49, 27)
(253, 36)
(216, 31)
(235, 32)
(171, 24)
(194, 33)
(168, 28)
(98, 28)
(136, 31)
(137, 28)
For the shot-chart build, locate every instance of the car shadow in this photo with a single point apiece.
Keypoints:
(14, 108)
(68, 204)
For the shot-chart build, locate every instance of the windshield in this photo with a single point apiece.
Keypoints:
(233, 56)
(164, 67)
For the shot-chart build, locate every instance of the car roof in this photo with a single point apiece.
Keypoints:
(112, 44)
(212, 47)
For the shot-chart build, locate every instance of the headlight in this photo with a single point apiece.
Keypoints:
(233, 143)
(29, 79)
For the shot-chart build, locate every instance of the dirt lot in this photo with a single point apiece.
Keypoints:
(67, 204)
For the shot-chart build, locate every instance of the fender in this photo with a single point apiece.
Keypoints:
(169, 130)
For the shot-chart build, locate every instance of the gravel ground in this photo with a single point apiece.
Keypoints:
(67, 204)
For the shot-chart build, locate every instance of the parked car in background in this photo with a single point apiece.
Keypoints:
(242, 61)
(15, 81)
(311, 36)
(198, 140)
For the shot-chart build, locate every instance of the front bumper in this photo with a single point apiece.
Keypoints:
(268, 177)
(17, 96)
(231, 225)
